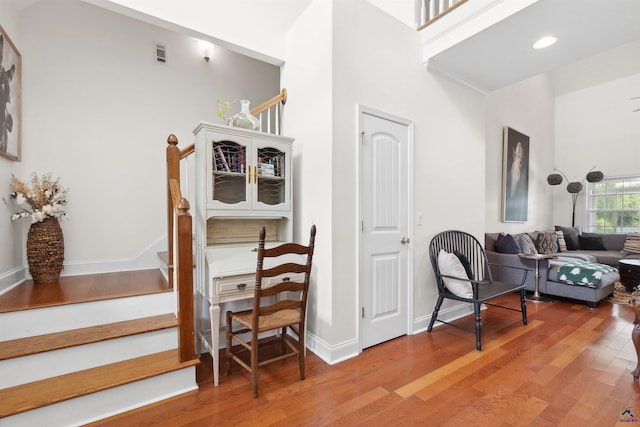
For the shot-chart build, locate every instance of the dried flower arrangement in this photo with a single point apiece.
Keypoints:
(45, 199)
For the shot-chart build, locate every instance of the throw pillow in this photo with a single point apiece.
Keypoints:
(591, 243)
(507, 244)
(570, 236)
(562, 245)
(465, 263)
(546, 243)
(450, 265)
(526, 244)
(632, 244)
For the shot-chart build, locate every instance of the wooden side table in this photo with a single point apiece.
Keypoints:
(629, 273)
(536, 297)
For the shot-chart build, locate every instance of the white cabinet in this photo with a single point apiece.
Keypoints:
(243, 182)
(244, 171)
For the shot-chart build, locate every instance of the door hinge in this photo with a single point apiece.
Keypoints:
(362, 226)
(362, 138)
(363, 312)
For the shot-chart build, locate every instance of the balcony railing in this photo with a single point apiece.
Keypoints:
(432, 10)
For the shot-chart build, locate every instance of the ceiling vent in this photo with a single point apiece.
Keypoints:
(160, 53)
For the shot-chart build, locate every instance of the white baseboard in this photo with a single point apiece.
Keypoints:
(332, 354)
(449, 314)
(12, 278)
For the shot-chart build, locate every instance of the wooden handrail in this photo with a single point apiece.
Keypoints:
(187, 151)
(281, 97)
(176, 194)
(179, 219)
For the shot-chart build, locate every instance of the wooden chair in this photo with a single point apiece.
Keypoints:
(478, 275)
(279, 302)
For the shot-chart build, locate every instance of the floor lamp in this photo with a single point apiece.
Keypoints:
(574, 188)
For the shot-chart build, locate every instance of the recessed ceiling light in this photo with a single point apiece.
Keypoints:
(545, 42)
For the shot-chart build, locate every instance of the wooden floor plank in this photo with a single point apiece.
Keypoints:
(567, 367)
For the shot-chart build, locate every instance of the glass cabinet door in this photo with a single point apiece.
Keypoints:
(230, 174)
(272, 177)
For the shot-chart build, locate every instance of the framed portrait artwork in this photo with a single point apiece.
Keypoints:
(10, 99)
(515, 176)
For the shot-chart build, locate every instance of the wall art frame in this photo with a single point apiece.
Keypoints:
(515, 176)
(10, 99)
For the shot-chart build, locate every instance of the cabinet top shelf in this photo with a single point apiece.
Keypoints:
(242, 175)
(233, 131)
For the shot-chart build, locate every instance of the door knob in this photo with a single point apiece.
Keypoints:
(404, 240)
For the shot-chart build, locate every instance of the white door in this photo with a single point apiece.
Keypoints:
(384, 211)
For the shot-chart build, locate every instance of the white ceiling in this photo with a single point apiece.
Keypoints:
(502, 54)
(492, 58)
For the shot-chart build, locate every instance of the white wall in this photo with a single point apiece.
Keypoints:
(254, 28)
(596, 126)
(528, 107)
(97, 113)
(367, 67)
(307, 117)
(10, 254)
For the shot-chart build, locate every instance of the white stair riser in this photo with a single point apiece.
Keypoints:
(36, 367)
(26, 323)
(96, 406)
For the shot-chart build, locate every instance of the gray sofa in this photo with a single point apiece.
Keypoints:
(549, 284)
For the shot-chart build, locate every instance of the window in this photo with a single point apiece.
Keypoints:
(613, 205)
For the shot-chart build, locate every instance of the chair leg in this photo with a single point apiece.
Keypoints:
(283, 344)
(254, 362)
(301, 352)
(523, 304)
(228, 349)
(476, 309)
(434, 315)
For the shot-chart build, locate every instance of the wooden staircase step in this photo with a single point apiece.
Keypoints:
(22, 398)
(59, 340)
(87, 288)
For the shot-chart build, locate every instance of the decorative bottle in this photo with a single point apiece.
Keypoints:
(244, 119)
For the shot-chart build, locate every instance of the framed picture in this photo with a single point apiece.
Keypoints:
(515, 176)
(10, 99)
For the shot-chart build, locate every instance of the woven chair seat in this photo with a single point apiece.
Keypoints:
(279, 319)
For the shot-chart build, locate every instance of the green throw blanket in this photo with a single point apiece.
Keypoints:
(583, 273)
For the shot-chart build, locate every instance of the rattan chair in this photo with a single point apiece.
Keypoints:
(484, 288)
(279, 303)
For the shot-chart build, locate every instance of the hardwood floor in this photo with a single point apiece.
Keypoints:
(570, 366)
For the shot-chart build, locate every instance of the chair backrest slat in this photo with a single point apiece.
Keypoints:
(289, 267)
(289, 293)
(454, 240)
